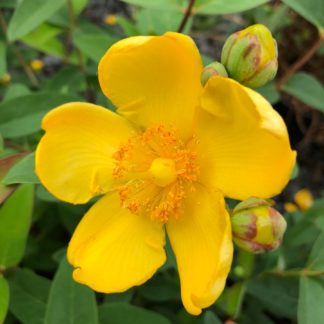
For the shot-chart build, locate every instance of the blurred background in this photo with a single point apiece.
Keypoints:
(49, 51)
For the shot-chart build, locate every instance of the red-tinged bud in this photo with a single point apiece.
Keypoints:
(256, 226)
(250, 56)
(212, 69)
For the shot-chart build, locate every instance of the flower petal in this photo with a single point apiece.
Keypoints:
(243, 145)
(202, 243)
(74, 157)
(113, 250)
(153, 79)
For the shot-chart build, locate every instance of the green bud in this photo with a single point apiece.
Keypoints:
(256, 226)
(250, 56)
(212, 69)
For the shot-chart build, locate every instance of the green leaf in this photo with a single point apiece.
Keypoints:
(44, 38)
(15, 220)
(4, 300)
(316, 258)
(310, 304)
(312, 10)
(270, 92)
(176, 5)
(157, 22)
(8, 3)
(30, 14)
(22, 172)
(67, 80)
(28, 296)
(307, 89)
(232, 298)
(70, 302)
(16, 90)
(210, 318)
(6, 164)
(278, 295)
(160, 289)
(22, 116)
(221, 7)
(3, 58)
(205, 7)
(121, 313)
(93, 41)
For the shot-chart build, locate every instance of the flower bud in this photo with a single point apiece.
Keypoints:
(211, 69)
(250, 56)
(256, 226)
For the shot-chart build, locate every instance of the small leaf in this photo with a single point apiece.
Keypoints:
(307, 89)
(70, 302)
(4, 300)
(15, 220)
(44, 38)
(310, 304)
(22, 172)
(121, 313)
(30, 14)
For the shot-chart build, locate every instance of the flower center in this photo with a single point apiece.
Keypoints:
(153, 172)
(163, 172)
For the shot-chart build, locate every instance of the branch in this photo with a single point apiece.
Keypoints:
(186, 16)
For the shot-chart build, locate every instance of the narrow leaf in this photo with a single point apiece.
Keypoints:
(70, 302)
(15, 220)
(307, 89)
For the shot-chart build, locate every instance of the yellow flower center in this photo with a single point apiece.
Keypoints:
(163, 172)
(154, 171)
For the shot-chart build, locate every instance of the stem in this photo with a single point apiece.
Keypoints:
(186, 16)
(294, 273)
(299, 63)
(31, 76)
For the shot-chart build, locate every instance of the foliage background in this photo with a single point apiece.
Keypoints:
(68, 37)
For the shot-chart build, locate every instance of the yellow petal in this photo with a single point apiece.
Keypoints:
(243, 145)
(73, 158)
(202, 243)
(153, 79)
(113, 250)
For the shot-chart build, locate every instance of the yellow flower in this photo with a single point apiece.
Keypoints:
(304, 200)
(164, 163)
(37, 65)
(111, 20)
